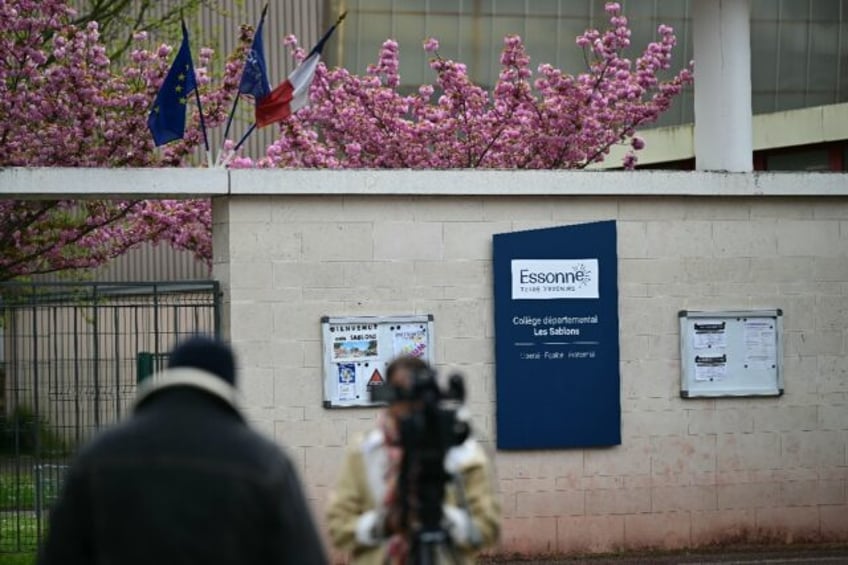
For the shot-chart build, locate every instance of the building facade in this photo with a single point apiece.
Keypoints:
(798, 53)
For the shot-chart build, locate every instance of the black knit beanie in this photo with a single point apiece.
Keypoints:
(207, 354)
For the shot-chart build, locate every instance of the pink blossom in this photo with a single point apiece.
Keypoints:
(546, 119)
(431, 45)
(90, 113)
(77, 110)
(206, 55)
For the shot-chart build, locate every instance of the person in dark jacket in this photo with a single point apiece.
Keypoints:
(183, 481)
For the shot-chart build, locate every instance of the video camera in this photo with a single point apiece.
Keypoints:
(436, 420)
(435, 423)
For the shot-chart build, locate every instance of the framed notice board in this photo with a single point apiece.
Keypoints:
(358, 349)
(731, 353)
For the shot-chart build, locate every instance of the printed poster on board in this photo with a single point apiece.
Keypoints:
(347, 390)
(410, 340)
(354, 342)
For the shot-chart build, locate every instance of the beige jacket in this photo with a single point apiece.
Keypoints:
(353, 513)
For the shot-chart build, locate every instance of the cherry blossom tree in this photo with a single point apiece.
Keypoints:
(63, 103)
(39, 237)
(553, 121)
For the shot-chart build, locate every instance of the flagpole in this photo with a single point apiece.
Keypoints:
(232, 153)
(238, 94)
(203, 128)
(244, 137)
(199, 105)
(327, 35)
(230, 118)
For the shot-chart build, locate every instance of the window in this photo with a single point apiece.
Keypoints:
(798, 47)
(822, 157)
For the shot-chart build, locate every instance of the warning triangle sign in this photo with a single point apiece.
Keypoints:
(376, 379)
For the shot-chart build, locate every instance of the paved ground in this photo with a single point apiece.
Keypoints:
(830, 555)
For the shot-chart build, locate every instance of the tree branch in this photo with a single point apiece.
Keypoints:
(9, 231)
(82, 233)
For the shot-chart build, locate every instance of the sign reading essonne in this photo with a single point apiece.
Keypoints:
(550, 279)
(556, 337)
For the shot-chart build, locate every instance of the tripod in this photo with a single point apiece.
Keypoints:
(422, 479)
(432, 548)
(426, 434)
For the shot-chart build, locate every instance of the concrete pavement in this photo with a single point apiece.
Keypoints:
(829, 554)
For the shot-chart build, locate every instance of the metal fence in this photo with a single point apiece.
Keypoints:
(71, 355)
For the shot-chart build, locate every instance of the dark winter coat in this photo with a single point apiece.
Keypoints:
(183, 481)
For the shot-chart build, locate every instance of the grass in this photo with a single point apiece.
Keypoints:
(18, 532)
(18, 491)
(17, 559)
(22, 435)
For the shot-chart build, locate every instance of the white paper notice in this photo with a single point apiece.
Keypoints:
(760, 344)
(710, 371)
(709, 334)
(347, 393)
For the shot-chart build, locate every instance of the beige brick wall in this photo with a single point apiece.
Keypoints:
(688, 472)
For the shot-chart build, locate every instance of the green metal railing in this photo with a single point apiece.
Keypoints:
(71, 358)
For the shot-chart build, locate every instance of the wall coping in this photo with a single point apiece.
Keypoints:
(55, 182)
(47, 182)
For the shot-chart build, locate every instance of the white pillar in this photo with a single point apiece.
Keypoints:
(722, 45)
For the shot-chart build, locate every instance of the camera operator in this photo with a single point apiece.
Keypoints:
(366, 514)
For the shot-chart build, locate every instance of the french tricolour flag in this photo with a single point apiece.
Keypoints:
(293, 93)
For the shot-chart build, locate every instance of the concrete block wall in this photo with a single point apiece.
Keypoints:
(688, 472)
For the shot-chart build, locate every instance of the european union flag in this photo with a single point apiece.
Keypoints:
(254, 77)
(168, 117)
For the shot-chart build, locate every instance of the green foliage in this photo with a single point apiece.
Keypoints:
(118, 19)
(17, 559)
(18, 532)
(22, 433)
(16, 492)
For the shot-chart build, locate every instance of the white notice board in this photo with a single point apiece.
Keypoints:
(358, 349)
(731, 353)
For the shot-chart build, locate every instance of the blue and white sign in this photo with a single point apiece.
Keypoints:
(556, 337)
(544, 279)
